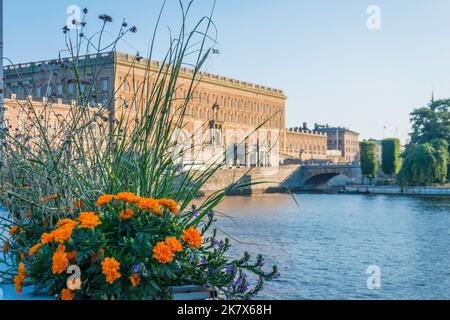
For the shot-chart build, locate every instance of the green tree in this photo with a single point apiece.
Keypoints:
(442, 155)
(369, 163)
(431, 122)
(391, 160)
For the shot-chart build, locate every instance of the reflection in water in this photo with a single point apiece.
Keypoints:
(324, 245)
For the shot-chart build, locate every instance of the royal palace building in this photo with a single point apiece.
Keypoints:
(247, 121)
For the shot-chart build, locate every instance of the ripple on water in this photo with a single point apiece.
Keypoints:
(324, 247)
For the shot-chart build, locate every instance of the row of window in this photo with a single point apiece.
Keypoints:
(197, 97)
(232, 118)
(53, 88)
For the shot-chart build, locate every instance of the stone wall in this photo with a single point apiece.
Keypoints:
(416, 191)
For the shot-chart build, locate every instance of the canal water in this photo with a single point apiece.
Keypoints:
(325, 244)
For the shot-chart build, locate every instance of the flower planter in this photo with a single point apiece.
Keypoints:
(7, 292)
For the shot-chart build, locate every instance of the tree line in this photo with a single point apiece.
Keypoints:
(425, 159)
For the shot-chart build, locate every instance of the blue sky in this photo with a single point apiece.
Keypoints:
(320, 52)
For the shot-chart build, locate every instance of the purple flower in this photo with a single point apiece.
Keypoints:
(195, 213)
(245, 287)
(203, 262)
(217, 243)
(229, 269)
(136, 268)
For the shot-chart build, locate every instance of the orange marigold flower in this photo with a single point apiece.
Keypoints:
(6, 247)
(89, 220)
(34, 249)
(64, 230)
(78, 204)
(192, 237)
(170, 205)
(127, 197)
(163, 253)
(135, 279)
(126, 214)
(110, 268)
(19, 279)
(150, 205)
(47, 238)
(174, 244)
(104, 200)
(59, 260)
(43, 199)
(101, 251)
(66, 295)
(13, 230)
(72, 255)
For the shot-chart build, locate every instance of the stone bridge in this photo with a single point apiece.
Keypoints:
(320, 176)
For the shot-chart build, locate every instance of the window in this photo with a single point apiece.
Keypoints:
(82, 87)
(237, 104)
(207, 99)
(223, 102)
(38, 92)
(199, 98)
(262, 108)
(49, 91)
(71, 88)
(230, 103)
(105, 85)
(59, 89)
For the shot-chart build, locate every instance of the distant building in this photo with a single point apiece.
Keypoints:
(342, 139)
(304, 144)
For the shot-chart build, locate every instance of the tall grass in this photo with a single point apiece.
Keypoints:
(112, 148)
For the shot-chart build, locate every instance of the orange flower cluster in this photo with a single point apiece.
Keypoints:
(62, 233)
(110, 268)
(59, 260)
(192, 237)
(34, 249)
(104, 200)
(135, 279)
(66, 295)
(163, 253)
(126, 197)
(88, 220)
(126, 214)
(151, 205)
(170, 205)
(174, 244)
(19, 279)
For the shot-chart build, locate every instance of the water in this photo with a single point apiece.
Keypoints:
(324, 247)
